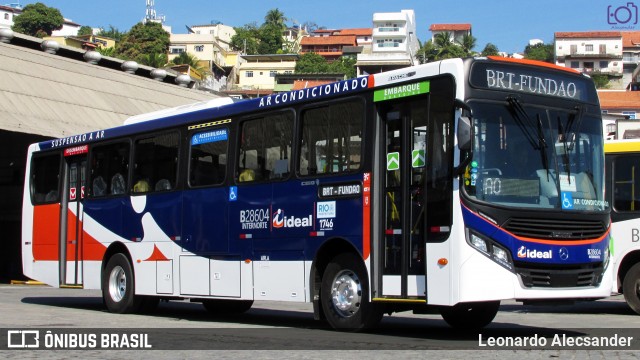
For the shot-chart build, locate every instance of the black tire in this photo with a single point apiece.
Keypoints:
(344, 295)
(221, 306)
(631, 288)
(118, 286)
(470, 316)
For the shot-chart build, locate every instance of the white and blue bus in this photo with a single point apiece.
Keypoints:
(447, 186)
(622, 159)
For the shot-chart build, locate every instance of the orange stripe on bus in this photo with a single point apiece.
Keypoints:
(534, 63)
(46, 232)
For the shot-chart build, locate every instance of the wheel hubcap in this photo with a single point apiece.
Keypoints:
(117, 284)
(346, 293)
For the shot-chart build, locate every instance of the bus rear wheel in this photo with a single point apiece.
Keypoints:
(118, 286)
(470, 316)
(344, 295)
(631, 288)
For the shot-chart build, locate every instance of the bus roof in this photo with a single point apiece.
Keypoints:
(622, 146)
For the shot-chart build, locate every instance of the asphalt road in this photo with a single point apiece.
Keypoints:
(273, 330)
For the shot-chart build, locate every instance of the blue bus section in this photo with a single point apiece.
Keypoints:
(536, 250)
(263, 219)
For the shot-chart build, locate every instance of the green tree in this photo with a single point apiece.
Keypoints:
(490, 50)
(142, 39)
(276, 18)
(38, 20)
(468, 42)
(601, 80)
(427, 52)
(446, 48)
(111, 52)
(344, 65)
(154, 60)
(246, 39)
(112, 32)
(85, 30)
(312, 63)
(541, 52)
(270, 39)
(191, 60)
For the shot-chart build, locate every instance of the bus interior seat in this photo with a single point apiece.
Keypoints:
(141, 186)
(163, 184)
(51, 196)
(99, 186)
(247, 175)
(117, 184)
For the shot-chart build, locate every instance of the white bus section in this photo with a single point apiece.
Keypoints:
(625, 229)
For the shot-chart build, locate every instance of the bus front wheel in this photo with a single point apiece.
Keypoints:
(631, 288)
(118, 286)
(344, 295)
(470, 315)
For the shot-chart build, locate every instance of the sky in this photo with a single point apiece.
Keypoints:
(509, 24)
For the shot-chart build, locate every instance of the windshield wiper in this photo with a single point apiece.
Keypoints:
(542, 146)
(566, 149)
(577, 118)
(537, 141)
(520, 116)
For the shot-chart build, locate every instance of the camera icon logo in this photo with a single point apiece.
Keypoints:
(625, 14)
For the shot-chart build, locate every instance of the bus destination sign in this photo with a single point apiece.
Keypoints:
(340, 190)
(504, 77)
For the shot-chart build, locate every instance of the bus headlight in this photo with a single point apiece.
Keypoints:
(607, 256)
(479, 243)
(500, 254)
(490, 249)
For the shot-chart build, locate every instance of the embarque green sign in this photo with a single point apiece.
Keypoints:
(401, 91)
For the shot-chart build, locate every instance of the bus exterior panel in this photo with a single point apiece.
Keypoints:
(354, 196)
(623, 195)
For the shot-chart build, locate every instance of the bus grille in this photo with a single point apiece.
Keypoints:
(549, 276)
(555, 229)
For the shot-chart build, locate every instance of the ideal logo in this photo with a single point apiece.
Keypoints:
(525, 253)
(281, 221)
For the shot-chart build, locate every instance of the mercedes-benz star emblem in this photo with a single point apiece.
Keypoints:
(564, 253)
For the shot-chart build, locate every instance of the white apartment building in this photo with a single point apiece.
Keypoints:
(220, 32)
(69, 28)
(7, 14)
(592, 52)
(456, 31)
(393, 45)
(211, 45)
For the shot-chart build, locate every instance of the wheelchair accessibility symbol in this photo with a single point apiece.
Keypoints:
(233, 193)
(567, 200)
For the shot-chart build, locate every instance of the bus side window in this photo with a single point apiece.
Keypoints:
(331, 139)
(45, 176)
(109, 169)
(265, 148)
(156, 163)
(626, 190)
(208, 162)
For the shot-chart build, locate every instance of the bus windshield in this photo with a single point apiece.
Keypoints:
(536, 157)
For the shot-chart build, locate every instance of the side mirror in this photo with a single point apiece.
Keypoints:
(463, 133)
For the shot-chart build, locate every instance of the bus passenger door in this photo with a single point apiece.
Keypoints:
(415, 186)
(403, 172)
(71, 218)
